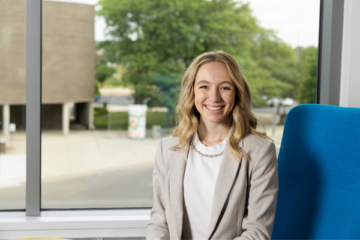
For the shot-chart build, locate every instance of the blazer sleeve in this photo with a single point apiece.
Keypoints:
(260, 215)
(157, 228)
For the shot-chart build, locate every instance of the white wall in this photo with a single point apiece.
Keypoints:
(350, 64)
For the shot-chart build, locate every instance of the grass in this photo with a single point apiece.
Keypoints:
(119, 120)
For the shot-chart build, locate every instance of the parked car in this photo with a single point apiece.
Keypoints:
(273, 102)
(287, 102)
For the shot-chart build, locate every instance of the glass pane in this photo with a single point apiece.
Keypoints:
(111, 78)
(290, 59)
(12, 104)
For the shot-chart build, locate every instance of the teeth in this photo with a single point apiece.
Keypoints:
(213, 108)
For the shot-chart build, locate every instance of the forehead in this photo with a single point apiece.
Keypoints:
(213, 72)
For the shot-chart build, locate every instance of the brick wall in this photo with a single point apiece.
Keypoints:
(68, 52)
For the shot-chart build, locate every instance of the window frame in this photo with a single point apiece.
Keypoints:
(37, 222)
(330, 48)
(33, 106)
(75, 224)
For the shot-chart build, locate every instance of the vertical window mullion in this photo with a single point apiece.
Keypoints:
(330, 47)
(33, 106)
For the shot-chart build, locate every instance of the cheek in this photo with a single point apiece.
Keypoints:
(230, 99)
(199, 97)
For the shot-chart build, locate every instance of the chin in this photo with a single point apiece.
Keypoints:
(214, 120)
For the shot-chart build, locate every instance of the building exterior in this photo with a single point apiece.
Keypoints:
(68, 64)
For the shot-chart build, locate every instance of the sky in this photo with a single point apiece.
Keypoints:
(295, 21)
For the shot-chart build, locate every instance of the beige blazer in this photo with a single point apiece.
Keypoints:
(245, 192)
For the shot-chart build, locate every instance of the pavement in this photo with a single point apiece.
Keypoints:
(89, 168)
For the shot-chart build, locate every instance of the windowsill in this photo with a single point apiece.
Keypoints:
(75, 224)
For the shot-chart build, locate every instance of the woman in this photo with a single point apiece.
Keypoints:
(216, 176)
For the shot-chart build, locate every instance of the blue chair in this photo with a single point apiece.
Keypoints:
(319, 174)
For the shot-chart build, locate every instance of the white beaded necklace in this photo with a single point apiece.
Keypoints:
(206, 155)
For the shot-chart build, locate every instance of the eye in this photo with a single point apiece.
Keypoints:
(205, 87)
(226, 88)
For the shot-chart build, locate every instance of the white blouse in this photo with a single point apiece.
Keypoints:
(199, 183)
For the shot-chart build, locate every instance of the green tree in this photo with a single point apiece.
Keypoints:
(277, 58)
(307, 84)
(263, 83)
(103, 71)
(169, 86)
(164, 36)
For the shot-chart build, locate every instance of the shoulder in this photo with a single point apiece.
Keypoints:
(165, 145)
(254, 142)
(259, 150)
(165, 152)
(169, 142)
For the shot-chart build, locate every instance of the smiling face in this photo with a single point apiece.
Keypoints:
(214, 93)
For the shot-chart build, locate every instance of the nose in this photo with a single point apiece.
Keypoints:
(215, 95)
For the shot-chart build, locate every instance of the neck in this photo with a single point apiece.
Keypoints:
(211, 134)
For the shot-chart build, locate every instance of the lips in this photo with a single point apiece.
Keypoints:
(214, 108)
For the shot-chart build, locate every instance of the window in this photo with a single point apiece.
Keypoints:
(286, 71)
(97, 152)
(12, 105)
(97, 147)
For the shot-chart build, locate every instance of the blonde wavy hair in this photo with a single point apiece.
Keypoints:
(242, 119)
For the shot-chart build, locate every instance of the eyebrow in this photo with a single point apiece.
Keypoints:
(204, 81)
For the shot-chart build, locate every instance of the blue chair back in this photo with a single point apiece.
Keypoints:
(319, 174)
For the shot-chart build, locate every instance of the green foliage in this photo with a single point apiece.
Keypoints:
(100, 111)
(169, 87)
(119, 120)
(275, 73)
(150, 33)
(307, 84)
(145, 92)
(263, 83)
(163, 36)
(97, 90)
(156, 40)
(103, 71)
(112, 82)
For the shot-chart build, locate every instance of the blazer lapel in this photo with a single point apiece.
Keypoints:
(226, 176)
(177, 171)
